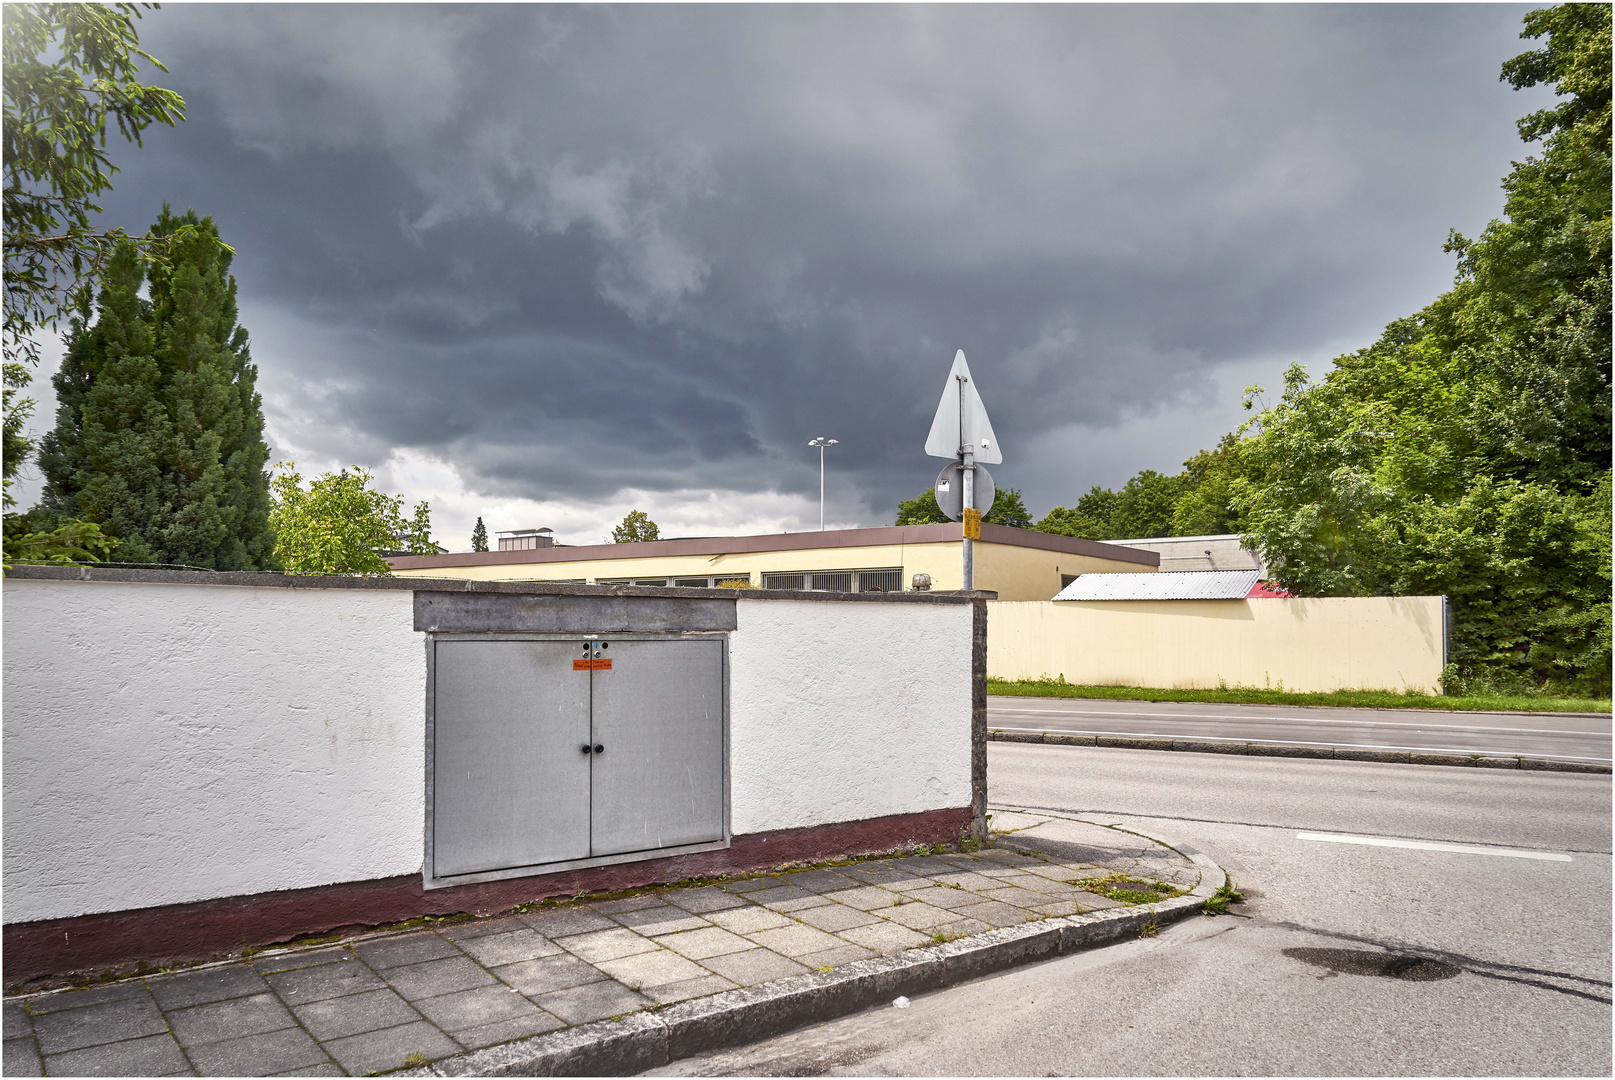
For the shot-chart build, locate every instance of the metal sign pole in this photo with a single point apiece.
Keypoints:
(968, 473)
(970, 504)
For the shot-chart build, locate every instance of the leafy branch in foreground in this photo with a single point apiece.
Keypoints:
(70, 72)
(75, 542)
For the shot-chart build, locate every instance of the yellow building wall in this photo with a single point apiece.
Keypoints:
(1313, 645)
(752, 563)
(1024, 573)
(1016, 573)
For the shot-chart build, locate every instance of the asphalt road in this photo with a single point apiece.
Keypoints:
(1541, 735)
(1292, 983)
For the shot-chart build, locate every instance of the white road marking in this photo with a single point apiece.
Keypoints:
(1180, 737)
(1278, 719)
(1432, 845)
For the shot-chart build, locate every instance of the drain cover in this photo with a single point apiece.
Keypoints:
(1364, 962)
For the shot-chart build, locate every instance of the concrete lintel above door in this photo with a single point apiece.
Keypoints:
(450, 612)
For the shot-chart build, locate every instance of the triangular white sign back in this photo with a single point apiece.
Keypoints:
(961, 419)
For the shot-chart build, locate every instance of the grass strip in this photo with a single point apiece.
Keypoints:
(1244, 695)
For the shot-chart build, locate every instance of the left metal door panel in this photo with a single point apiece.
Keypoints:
(510, 783)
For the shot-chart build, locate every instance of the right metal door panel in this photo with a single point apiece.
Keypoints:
(658, 712)
(510, 780)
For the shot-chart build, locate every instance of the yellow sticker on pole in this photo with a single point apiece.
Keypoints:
(972, 520)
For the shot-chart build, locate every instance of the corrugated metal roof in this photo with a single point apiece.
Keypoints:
(1188, 585)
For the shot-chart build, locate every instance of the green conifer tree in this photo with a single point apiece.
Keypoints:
(479, 537)
(159, 426)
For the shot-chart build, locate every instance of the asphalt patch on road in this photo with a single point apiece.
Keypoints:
(1384, 965)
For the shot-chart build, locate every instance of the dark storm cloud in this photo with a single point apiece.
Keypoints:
(575, 250)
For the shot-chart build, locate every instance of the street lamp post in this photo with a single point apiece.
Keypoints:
(821, 442)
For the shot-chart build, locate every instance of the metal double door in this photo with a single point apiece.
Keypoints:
(547, 751)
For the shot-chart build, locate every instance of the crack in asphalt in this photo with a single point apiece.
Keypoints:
(1486, 969)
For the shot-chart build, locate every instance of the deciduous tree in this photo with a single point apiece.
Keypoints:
(636, 528)
(1467, 452)
(1008, 509)
(339, 524)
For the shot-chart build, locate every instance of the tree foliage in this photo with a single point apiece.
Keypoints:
(159, 426)
(479, 537)
(74, 542)
(1467, 452)
(1008, 509)
(636, 528)
(339, 524)
(71, 72)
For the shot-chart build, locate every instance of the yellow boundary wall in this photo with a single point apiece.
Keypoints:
(1314, 645)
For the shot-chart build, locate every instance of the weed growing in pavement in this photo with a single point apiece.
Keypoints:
(416, 1060)
(1218, 902)
(1130, 890)
(1149, 929)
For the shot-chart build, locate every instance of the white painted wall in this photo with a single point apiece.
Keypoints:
(170, 743)
(842, 711)
(173, 743)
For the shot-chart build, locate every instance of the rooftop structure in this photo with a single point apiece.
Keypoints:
(1183, 553)
(525, 539)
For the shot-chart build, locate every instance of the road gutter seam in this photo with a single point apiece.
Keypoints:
(1337, 753)
(648, 1040)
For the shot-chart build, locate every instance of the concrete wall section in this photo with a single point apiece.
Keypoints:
(1389, 643)
(840, 711)
(171, 743)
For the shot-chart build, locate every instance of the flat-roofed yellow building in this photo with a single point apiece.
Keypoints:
(1018, 564)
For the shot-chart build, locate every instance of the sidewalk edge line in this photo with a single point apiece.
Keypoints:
(1329, 753)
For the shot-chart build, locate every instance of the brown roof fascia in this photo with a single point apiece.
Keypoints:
(1071, 545)
(947, 532)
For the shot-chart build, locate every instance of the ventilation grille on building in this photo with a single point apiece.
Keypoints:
(880, 581)
(886, 580)
(834, 582)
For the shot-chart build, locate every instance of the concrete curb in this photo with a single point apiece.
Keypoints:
(650, 1039)
(1337, 753)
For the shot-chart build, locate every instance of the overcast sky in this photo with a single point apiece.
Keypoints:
(547, 264)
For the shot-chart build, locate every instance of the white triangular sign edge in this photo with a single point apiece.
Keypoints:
(944, 439)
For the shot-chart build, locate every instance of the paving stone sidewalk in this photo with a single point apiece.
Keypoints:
(384, 1001)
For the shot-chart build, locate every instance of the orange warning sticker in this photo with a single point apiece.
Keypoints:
(972, 522)
(591, 665)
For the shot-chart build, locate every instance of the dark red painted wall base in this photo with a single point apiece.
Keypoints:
(176, 933)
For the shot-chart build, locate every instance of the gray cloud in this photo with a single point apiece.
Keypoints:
(577, 250)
